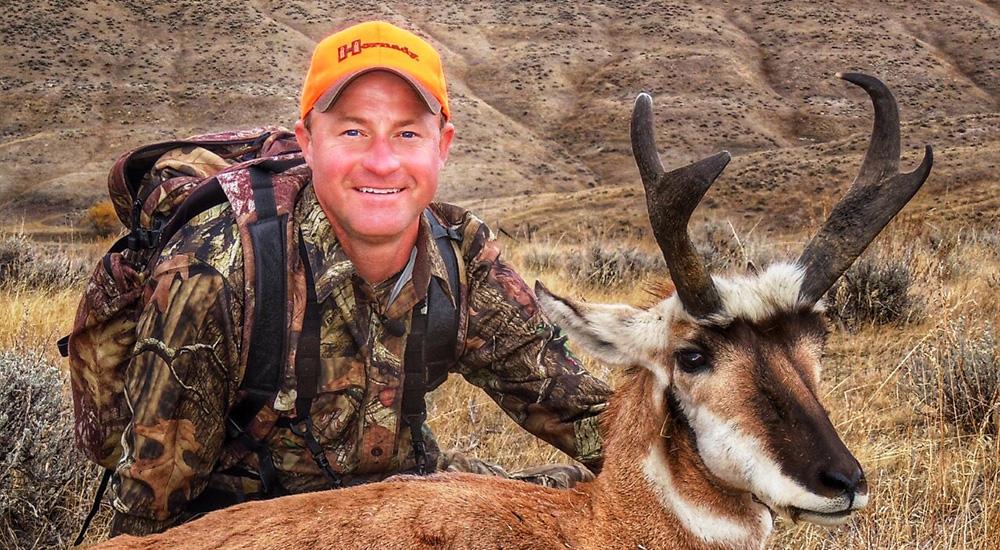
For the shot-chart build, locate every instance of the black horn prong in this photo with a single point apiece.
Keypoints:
(643, 140)
(882, 156)
(876, 196)
(670, 200)
(670, 205)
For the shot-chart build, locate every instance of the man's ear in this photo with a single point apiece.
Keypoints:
(447, 134)
(304, 138)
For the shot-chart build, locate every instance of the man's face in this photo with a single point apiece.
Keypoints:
(375, 156)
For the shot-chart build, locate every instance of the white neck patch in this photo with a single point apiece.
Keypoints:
(698, 520)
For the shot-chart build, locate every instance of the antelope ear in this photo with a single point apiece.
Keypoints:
(615, 334)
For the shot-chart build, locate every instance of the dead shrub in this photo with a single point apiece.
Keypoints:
(958, 377)
(610, 264)
(29, 265)
(874, 291)
(103, 219)
(42, 476)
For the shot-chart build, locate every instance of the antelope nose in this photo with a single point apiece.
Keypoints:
(850, 481)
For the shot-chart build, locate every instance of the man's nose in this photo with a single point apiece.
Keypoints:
(380, 158)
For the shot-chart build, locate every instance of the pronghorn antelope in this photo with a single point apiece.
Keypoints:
(717, 428)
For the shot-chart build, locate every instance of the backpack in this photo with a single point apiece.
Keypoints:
(155, 190)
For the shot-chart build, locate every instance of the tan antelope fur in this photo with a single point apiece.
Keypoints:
(716, 428)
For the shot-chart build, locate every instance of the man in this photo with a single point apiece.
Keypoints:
(375, 131)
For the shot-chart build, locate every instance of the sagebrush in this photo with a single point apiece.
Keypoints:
(605, 263)
(30, 265)
(875, 291)
(957, 376)
(42, 476)
(723, 249)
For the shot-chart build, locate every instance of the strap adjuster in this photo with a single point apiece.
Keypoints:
(302, 427)
(420, 457)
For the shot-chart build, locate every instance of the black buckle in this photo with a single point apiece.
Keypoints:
(63, 345)
(147, 239)
(302, 427)
(233, 430)
(416, 422)
(420, 457)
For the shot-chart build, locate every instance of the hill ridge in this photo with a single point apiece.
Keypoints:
(541, 92)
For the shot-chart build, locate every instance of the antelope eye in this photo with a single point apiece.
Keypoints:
(692, 361)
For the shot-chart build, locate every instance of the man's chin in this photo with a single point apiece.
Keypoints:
(376, 230)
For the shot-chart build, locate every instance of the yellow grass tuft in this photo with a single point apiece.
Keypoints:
(101, 216)
(35, 319)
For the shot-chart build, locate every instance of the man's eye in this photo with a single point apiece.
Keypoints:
(408, 135)
(352, 133)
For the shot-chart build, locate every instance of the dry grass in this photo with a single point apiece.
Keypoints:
(40, 287)
(935, 484)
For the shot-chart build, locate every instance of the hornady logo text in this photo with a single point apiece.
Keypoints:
(355, 48)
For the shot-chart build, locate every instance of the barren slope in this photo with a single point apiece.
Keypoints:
(541, 94)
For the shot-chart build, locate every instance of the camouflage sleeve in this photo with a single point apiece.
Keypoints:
(521, 360)
(179, 386)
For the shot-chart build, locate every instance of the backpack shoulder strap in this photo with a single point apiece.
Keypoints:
(432, 344)
(263, 196)
(441, 341)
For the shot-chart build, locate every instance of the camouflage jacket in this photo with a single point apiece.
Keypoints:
(186, 369)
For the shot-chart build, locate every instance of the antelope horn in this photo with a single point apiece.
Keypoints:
(670, 200)
(878, 193)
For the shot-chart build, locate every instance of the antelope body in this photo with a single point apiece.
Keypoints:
(717, 428)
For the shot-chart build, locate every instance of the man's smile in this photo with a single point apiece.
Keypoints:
(377, 191)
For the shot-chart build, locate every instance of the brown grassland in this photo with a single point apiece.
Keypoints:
(541, 94)
(935, 476)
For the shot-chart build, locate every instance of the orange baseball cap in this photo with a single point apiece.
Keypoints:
(373, 46)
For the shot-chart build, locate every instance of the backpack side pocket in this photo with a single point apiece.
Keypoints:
(100, 348)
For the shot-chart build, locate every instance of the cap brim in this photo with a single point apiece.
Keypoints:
(333, 92)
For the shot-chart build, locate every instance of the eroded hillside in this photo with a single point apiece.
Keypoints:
(541, 93)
